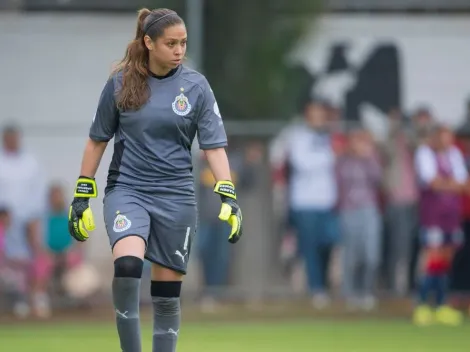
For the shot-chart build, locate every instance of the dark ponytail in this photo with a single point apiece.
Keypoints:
(135, 91)
(134, 66)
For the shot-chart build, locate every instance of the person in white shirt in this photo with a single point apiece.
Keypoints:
(22, 191)
(313, 195)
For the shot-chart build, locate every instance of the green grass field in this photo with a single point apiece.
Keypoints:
(329, 336)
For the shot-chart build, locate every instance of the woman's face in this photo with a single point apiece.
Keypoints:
(446, 137)
(168, 50)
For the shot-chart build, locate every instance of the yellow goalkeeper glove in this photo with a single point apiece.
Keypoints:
(230, 210)
(80, 215)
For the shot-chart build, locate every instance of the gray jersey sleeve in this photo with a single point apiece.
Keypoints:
(210, 127)
(106, 119)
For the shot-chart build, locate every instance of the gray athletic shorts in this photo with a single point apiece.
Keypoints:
(166, 225)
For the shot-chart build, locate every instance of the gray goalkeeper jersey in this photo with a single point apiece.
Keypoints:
(152, 146)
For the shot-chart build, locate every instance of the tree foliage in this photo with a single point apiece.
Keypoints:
(246, 44)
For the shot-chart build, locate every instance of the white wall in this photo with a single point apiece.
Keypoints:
(52, 70)
(433, 53)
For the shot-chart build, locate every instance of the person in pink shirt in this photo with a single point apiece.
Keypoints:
(4, 220)
(358, 175)
(401, 197)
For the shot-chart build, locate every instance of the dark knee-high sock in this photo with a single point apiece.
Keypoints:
(126, 295)
(166, 315)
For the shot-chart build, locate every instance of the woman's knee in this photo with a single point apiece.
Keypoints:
(128, 256)
(128, 266)
(160, 273)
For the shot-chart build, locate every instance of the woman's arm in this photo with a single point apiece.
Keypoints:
(92, 155)
(230, 211)
(218, 163)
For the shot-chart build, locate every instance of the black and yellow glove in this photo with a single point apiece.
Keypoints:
(80, 216)
(230, 211)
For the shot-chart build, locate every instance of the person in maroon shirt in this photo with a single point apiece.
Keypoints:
(443, 179)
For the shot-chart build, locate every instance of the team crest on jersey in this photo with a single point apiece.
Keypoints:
(121, 223)
(181, 105)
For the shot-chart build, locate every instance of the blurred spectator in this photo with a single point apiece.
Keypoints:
(212, 236)
(443, 178)
(336, 125)
(464, 130)
(358, 174)
(422, 122)
(461, 267)
(313, 195)
(64, 253)
(22, 191)
(4, 222)
(467, 110)
(401, 196)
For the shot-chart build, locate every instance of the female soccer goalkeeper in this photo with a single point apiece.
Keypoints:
(153, 106)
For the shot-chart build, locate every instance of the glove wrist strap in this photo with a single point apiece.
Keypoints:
(86, 188)
(226, 189)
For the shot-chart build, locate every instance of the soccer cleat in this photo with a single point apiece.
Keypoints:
(423, 315)
(320, 301)
(41, 306)
(368, 303)
(448, 316)
(21, 310)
